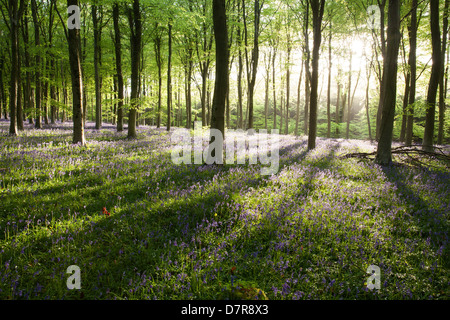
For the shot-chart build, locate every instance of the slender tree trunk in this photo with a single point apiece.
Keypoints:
(307, 54)
(329, 84)
(441, 80)
(96, 20)
(299, 89)
(367, 108)
(282, 105)
(338, 102)
(317, 9)
(412, 61)
(382, 5)
(254, 63)
(405, 106)
(37, 100)
(77, 81)
(2, 91)
(266, 91)
(428, 139)
(19, 95)
(159, 64)
(118, 55)
(384, 156)
(169, 79)
(274, 91)
(221, 82)
(188, 83)
(288, 82)
(134, 18)
(15, 13)
(349, 95)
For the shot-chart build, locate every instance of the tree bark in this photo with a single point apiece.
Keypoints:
(384, 156)
(169, 79)
(288, 82)
(317, 8)
(96, 21)
(274, 88)
(442, 92)
(412, 62)
(253, 68)
(77, 81)
(382, 5)
(329, 83)
(119, 75)
(134, 18)
(299, 89)
(428, 139)
(307, 54)
(37, 75)
(221, 82)
(158, 58)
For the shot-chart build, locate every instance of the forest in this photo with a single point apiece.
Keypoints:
(93, 93)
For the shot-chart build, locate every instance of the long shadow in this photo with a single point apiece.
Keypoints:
(431, 223)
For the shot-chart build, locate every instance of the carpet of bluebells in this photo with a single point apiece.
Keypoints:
(206, 232)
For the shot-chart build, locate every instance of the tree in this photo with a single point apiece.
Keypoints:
(169, 78)
(412, 62)
(77, 80)
(158, 56)
(119, 75)
(97, 21)
(221, 82)
(252, 66)
(134, 19)
(15, 10)
(384, 156)
(442, 91)
(435, 76)
(317, 8)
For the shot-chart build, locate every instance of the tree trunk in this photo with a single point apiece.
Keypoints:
(252, 71)
(299, 89)
(412, 61)
(349, 95)
(405, 106)
(329, 84)
(96, 21)
(77, 81)
(307, 54)
(15, 13)
(118, 55)
(169, 79)
(338, 102)
(134, 18)
(288, 82)
(37, 100)
(159, 64)
(274, 88)
(441, 80)
(19, 107)
(2, 91)
(188, 84)
(382, 5)
(266, 89)
(428, 139)
(317, 9)
(221, 82)
(384, 156)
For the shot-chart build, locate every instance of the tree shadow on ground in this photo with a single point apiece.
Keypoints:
(430, 222)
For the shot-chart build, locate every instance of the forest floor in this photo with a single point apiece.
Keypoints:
(216, 232)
